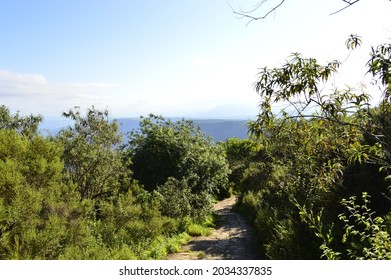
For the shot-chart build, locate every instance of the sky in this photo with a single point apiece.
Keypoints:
(176, 58)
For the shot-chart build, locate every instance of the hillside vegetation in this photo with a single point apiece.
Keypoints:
(75, 195)
(313, 179)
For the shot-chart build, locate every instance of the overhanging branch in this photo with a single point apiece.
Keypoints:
(349, 3)
(247, 14)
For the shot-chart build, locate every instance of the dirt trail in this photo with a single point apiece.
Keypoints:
(233, 239)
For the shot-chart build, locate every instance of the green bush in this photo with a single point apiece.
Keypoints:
(175, 158)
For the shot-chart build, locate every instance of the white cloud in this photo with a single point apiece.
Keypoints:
(33, 93)
(21, 79)
(199, 92)
(17, 84)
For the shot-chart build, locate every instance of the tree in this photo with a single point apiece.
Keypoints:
(240, 153)
(328, 144)
(39, 215)
(92, 154)
(162, 149)
(300, 83)
(24, 125)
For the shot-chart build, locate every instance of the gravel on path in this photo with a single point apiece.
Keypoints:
(233, 239)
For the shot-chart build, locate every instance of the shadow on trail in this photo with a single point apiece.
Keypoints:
(233, 239)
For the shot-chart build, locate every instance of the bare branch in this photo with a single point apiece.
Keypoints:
(256, 7)
(247, 14)
(349, 3)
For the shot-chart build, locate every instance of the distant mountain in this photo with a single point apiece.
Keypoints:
(228, 111)
(53, 126)
(128, 124)
(218, 129)
(222, 130)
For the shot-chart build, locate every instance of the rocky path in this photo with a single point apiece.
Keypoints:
(232, 240)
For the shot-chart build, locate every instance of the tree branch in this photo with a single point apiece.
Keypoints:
(247, 14)
(349, 3)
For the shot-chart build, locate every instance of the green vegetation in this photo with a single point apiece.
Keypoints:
(205, 228)
(312, 179)
(74, 195)
(301, 172)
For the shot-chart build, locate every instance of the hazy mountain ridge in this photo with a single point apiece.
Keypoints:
(218, 129)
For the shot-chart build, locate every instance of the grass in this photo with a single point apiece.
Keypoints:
(163, 245)
(203, 229)
(201, 255)
(175, 243)
(198, 230)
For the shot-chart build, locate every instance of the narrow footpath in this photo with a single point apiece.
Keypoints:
(233, 239)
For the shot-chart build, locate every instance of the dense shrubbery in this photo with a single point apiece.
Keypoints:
(181, 164)
(299, 185)
(73, 195)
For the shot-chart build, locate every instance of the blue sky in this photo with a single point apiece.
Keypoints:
(176, 58)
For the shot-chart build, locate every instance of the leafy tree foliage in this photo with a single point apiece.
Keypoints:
(73, 197)
(92, 156)
(318, 152)
(163, 149)
(34, 211)
(24, 125)
(242, 155)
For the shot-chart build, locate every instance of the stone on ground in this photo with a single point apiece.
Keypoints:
(233, 239)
